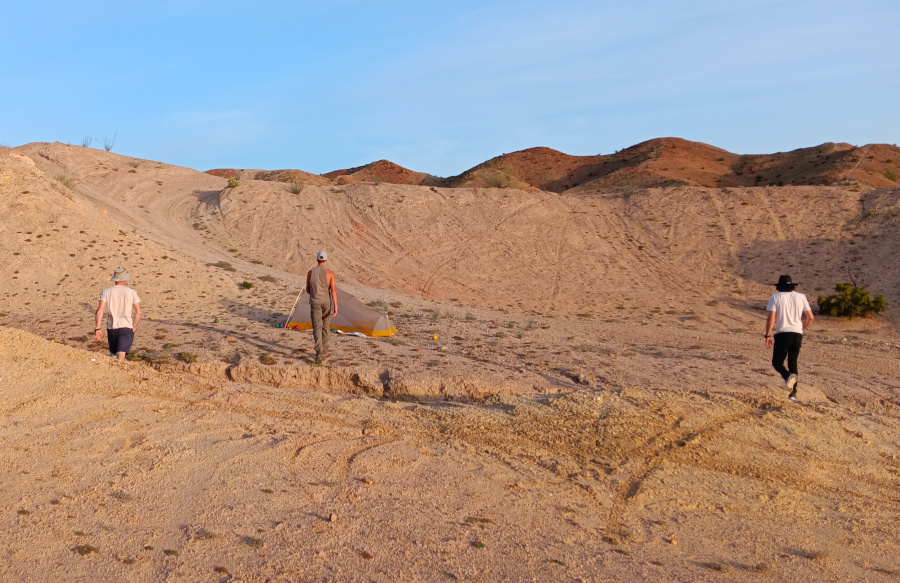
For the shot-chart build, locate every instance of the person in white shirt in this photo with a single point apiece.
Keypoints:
(789, 315)
(122, 302)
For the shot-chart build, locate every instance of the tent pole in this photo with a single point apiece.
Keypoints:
(294, 307)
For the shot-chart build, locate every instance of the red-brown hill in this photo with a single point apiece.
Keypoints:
(674, 161)
(381, 171)
(654, 163)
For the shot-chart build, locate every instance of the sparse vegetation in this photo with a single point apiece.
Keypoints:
(267, 359)
(186, 357)
(66, 180)
(890, 175)
(87, 141)
(234, 182)
(816, 555)
(295, 187)
(108, 143)
(268, 278)
(495, 179)
(223, 265)
(851, 301)
(246, 285)
(85, 549)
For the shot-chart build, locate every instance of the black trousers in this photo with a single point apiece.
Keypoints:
(787, 345)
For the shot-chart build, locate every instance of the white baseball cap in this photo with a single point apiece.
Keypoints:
(321, 256)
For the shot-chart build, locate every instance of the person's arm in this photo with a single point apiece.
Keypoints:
(308, 275)
(137, 316)
(770, 323)
(332, 285)
(98, 317)
(807, 318)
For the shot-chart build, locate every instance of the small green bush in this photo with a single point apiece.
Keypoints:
(246, 285)
(233, 182)
(850, 300)
(295, 187)
(186, 357)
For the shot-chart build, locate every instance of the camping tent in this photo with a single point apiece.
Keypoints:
(352, 316)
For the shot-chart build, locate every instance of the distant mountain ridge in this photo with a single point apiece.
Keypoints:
(654, 163)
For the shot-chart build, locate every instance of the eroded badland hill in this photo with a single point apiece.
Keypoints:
(662, 162)
(598, 404)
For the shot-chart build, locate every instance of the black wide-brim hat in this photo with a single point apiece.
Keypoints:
(785, 283)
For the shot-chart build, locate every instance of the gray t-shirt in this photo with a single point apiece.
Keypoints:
(319, 291)
(120, 300)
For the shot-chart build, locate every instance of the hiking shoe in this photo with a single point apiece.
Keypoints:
(318, 359)
(791, 382)
(793, 396)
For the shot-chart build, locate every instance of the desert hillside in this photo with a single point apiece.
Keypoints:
(578, 388)
(667, 162)
(662, 162)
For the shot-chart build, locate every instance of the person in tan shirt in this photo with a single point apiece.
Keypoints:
(124, 307)
(323, 303)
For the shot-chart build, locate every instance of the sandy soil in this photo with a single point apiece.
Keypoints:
(598, 404)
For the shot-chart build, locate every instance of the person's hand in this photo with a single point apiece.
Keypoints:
(769, 341)
(334, 311)
(98, 334)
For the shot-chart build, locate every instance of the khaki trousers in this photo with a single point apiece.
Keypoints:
(320, 314)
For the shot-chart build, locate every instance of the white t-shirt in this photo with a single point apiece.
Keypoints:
(120, 300)
(788, 308)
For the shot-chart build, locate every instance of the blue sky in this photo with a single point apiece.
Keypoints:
(441, 86)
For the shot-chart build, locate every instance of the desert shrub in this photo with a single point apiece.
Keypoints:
(223, 265)
(495, 179)
(268, 278)
(108, 143)
(87, 141)
(66, 180)
(267, 359)
(246, 285)
(295, 187)
(890, 175)
(186, 357)
(233, 182)
(850, 300)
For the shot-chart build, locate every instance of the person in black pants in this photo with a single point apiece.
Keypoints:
(789, 315)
